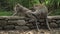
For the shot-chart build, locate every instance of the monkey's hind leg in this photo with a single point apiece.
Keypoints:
(48, 24)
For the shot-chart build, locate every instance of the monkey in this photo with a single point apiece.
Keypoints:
(19, 10)
(22, 11)
(39, 11)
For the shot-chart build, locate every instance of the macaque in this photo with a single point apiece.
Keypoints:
(19, 10)
(22, 11)
(41, 11)
(38, 12)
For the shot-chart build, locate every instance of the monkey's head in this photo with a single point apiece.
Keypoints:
(38, 7)
(18, 8)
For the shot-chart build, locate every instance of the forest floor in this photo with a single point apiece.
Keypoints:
(30, 32)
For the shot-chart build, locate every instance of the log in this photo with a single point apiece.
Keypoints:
(13, 20)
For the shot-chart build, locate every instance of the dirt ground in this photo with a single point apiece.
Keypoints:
(30, 32)
(25, 32)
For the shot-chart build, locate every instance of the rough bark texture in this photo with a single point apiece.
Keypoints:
(19, 23)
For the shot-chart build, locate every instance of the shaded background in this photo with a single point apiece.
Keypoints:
(6, 6)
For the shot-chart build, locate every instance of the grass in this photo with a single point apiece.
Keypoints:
(6, 13)
(9, 13)
(55, 12)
